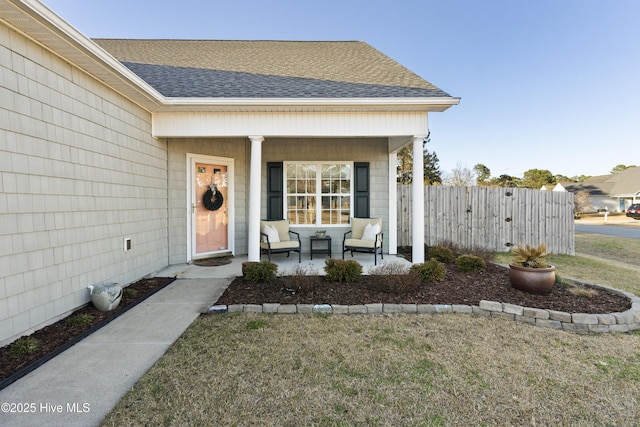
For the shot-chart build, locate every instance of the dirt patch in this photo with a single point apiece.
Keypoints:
(53, 337)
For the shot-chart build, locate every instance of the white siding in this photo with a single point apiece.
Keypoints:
(289, 124)
(79, 171)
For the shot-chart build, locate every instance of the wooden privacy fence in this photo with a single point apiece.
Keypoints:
(491, 218)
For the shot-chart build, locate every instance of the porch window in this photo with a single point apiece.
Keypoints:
(319, 193)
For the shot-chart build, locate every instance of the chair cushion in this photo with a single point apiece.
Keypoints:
(370, 232)
(359, 243)
(289, 244)
(272, 233)
(281, 225)
(358, 225)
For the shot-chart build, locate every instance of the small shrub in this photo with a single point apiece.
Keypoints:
(430, 271)
(442, 254)
(486, 254)
(470, 263)
(393, 278)
(80, 320)
(340, 270)
(24, 346)
(300, 280)
(577, 289)
(581, 291)
(389, 269)
(263, 271)
(530, 256)
(130, 293)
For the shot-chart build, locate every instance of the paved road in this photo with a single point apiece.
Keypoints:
(610, 230)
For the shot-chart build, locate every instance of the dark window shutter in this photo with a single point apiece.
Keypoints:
(274, 190)
(361, 197)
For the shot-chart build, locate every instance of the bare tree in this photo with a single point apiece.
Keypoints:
(581, 201)
(460, 176)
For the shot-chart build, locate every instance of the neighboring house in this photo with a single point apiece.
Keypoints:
(614, 193)
(108, 146)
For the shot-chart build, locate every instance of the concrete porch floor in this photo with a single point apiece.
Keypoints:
(285, 265)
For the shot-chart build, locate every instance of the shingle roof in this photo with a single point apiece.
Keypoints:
(623, 184)
(268, 69)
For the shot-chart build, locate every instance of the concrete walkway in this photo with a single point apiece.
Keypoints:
(82, 385)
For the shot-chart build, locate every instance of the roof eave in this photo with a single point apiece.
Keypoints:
(310, 104)
(62, 39)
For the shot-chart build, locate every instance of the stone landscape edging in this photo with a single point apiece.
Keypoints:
(625, 321)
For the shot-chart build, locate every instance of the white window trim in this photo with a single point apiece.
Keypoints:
(318, 193)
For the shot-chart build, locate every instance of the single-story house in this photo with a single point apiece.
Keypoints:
(614, 193)
(107, 148)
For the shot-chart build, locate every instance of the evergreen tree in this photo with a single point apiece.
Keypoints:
(483, 174)
(536, 178)
(432, 174)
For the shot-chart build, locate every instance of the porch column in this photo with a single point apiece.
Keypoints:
(417, 195)
(255, 174)
(393, 204)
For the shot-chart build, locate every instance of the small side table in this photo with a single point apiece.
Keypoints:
(325, 250)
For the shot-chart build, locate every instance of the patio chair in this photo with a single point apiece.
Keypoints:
(365, 236)
(275, 238)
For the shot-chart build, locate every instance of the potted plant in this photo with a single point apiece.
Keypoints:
(529, 272)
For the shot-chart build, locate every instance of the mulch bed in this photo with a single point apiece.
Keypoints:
(457, 288)
(56, 336)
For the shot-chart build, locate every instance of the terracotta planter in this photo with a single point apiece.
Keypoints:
(532, 280)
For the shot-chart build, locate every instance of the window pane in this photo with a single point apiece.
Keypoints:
(326, 186)
(291, 171)
(334, 186)
(310, 171)
(311, 186)
(345, 172)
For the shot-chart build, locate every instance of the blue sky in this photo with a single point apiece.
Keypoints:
(545, 84)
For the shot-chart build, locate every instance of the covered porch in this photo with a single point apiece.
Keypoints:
(372, 138)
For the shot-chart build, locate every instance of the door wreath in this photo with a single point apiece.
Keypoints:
(212, 199)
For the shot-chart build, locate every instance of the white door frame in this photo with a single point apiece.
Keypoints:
(192, 159)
